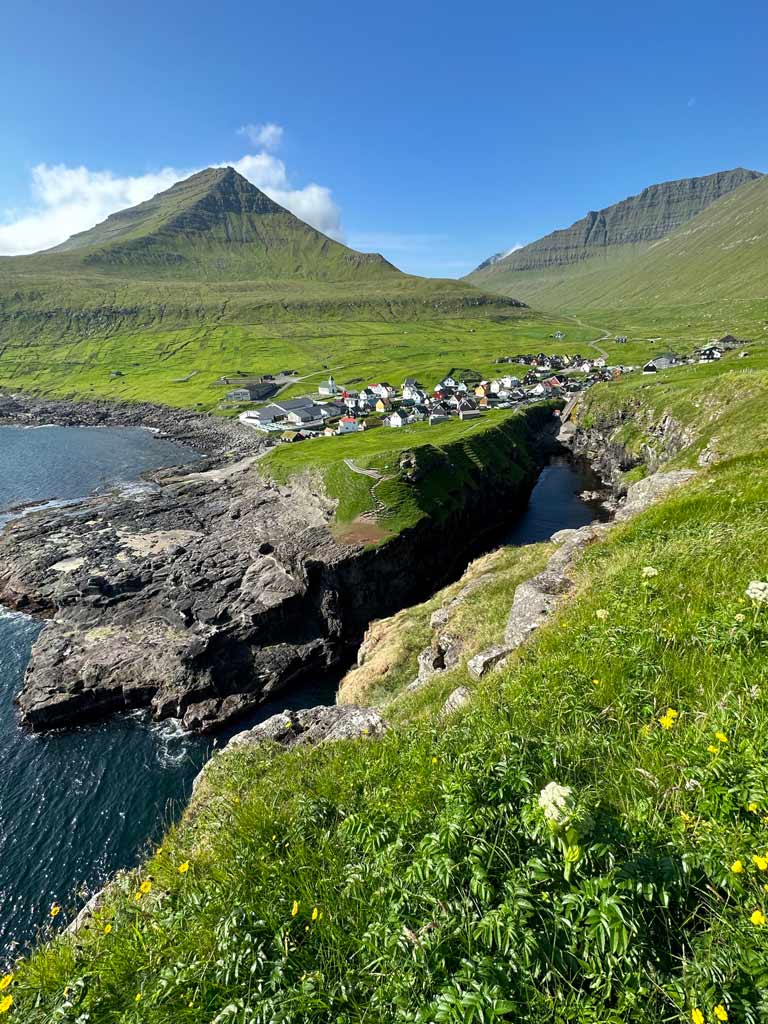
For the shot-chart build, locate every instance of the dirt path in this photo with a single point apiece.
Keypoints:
(595, 343)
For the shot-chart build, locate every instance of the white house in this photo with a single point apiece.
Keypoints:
(348, 425)
(396, 419)
(328, 389)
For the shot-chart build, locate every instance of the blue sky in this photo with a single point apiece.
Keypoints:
(436, 133)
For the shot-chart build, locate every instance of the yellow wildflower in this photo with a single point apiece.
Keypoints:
(55, 909)
(315, 912)
(757, 917)
(668, 720)
(145, 887)
(137, 997)
(697, 1016)
(5, 981)
(5, 1004)
(720, 1012)
(752, 808)
(721, 737)
(295, 908)
(712, 749)
(107, 929)
(184, 868)
(737, 867)
(761, 863)
(595, 682)
(434, 760)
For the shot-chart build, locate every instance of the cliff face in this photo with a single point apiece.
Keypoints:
(219, 588)
(638, 220)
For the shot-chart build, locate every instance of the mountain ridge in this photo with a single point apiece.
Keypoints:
(635, 221)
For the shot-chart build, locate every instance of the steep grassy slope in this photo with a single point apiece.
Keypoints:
(400, 477)
(215, 224)
(415, 879)
(717, 256)
(632, 223)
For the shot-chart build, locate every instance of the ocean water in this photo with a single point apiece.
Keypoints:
(77, 805)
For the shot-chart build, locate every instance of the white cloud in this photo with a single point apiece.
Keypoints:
(268, 135)
(70, 199)
(312, 204)
(66, 200)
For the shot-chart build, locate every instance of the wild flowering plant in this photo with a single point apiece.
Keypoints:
(757, 592)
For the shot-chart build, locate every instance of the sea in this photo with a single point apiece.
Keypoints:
(76, 805)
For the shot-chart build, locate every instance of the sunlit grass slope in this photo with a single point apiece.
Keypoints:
(718, 256)
(416, 878)
(181, 367)
(443, 463)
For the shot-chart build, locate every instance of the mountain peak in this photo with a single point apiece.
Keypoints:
(216, 223)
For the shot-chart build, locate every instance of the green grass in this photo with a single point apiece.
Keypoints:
(450, 458)
(444, 894)
(717, 258)
(154, 362)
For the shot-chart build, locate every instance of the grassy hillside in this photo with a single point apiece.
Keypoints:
(200, 278)
(214, 225)
(717, 258)
(415, 878)
(379, 494)
(181, 367)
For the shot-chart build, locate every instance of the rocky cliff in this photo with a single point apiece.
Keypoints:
(218, 588)
(638, 220)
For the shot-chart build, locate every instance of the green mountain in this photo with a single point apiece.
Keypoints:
(214, 224)
(607, 257)
(206, 278)
(211, 248)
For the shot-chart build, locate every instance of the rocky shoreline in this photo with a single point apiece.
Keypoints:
(210, 435)
(211, 592)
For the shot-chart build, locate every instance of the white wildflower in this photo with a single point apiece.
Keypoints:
(757, 591)
(602, 614)
(649, 571)
(557, 803)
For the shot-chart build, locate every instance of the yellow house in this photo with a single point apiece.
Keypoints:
(382, 405)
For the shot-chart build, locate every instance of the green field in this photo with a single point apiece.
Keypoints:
(155, 363)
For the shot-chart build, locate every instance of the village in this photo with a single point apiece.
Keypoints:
(335, 410)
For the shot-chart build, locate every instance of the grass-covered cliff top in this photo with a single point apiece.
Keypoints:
(711, 411)
(387, 479)
(416, 878)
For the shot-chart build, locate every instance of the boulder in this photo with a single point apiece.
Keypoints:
(457, 699)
